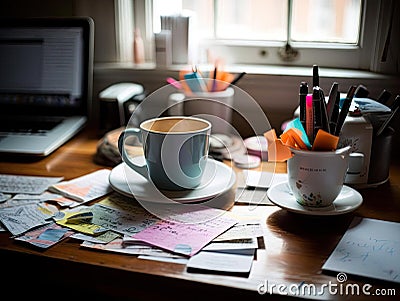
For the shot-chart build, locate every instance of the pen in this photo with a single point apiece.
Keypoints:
(384, 97)
(361, 91)
(395, 108)
(320, 120)
(302, 95)
(345, 110)
(332, 99)
(335, 114)
(315, 76)
(238, 78)
(324, 113)
(316, 82)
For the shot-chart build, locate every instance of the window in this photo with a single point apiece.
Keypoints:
(331, 21)
(330, 33)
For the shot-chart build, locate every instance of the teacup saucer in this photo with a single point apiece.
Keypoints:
(217, 179)
(347, 201)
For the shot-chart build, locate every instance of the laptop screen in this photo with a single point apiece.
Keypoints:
(46, 65)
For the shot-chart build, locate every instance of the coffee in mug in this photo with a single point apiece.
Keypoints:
(175, 150)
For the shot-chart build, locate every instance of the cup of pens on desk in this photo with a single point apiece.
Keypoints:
(316, 177)
(207, 95)
(216, 107)
(317, 167)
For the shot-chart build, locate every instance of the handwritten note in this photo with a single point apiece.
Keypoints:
(185, 238)
(242, 231)
(369, 248)
(85, 188)
(19, 219)
(124, 222)
(26, 184)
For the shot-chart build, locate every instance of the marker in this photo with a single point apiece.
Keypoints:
(395, 108)
(324, 113)
(332, 99)
(335, 114)
(317, 111)
(174, 83)
(303, 95)
(315, 76)
(361, 92)
(384, 97)
(309, 118)
(316, 84)
(345, 109)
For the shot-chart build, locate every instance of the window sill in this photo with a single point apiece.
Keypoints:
(251, 69)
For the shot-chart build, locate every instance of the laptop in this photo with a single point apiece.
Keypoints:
(46, 74)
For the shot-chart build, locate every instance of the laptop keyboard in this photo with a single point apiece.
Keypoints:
(28, 127)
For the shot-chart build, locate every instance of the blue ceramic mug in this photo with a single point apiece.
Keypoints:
(175, 150)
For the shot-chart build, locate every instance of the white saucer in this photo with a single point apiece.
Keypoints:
(347, 201)
(217, 179)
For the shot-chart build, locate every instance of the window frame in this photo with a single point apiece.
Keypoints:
(362, 57)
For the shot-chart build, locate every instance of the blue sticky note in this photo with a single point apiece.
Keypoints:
(194, 82)
(53, 235)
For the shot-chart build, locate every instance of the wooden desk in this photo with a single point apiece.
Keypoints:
(292, 250)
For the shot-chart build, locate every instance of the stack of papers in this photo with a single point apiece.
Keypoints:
(26, 210)
(201, 237)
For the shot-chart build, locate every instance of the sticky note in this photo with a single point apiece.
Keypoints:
(325, 141)
(296, 124)
(292, 138)
(277, 151)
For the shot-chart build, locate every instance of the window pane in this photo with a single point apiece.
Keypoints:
(326, 21)
(251, 19)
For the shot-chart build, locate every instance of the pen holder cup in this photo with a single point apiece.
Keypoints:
(316, 177)
(380, 157)
(216, 107)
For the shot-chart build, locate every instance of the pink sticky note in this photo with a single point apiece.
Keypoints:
(185, 238)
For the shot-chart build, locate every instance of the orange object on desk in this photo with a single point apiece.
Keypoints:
(292, 138)
(277, 151)
(325, 141)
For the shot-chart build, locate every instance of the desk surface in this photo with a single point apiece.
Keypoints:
(292, 251)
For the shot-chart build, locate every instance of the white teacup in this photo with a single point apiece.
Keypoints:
(316, 177)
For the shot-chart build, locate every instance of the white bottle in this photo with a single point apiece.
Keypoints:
(138, 47)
